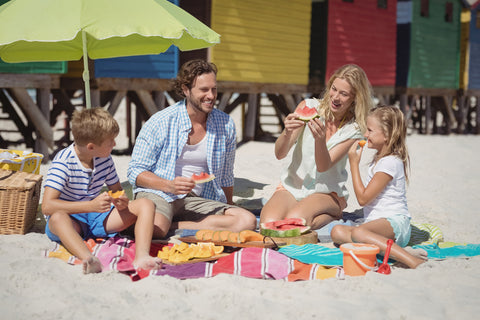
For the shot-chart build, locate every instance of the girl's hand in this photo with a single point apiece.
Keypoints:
(181, 185)
(318, 129)
(354, 155)
(292, 122)
(102, 203)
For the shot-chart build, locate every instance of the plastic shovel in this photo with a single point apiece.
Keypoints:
(384, 267)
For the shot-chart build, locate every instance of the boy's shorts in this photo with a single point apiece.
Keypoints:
(91, 224)
(402, 229)
(190, 208)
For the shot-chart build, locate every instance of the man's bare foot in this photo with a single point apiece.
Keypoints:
(147, 263)
(92, 265)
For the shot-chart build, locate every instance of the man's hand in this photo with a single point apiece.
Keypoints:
(181, 185)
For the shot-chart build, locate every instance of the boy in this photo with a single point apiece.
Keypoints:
(72, 202)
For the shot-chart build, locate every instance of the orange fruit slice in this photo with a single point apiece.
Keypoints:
(249, 235)
(117, 194)
(199, 234)
(233, 237)
(362, 143)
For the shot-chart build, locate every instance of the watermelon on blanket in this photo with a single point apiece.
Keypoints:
(306, 114)
(202, 177)
(291, 227)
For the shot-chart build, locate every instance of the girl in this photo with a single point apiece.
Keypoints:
(384, 199)
(313, 186)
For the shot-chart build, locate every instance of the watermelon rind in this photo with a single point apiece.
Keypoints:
(209, 178)
(294, 232)
(304, 117)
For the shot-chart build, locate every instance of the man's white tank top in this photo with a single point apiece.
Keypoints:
(193, 160)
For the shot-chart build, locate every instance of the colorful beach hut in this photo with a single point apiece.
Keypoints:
(358, 32)
(264, 51)
(428, 56)
(469, 104)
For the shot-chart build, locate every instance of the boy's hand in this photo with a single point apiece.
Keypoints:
(121, 203)
(102, 203)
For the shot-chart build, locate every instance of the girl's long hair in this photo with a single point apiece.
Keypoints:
(394, 128)
(362, 90)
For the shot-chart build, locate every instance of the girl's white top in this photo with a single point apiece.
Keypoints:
(392, 200)
(302, 179)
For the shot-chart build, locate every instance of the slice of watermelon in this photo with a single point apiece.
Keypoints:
(202, 177)
(306, 114)
(291, 227)
(290, 221)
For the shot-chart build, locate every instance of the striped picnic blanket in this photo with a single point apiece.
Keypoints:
(118, 253)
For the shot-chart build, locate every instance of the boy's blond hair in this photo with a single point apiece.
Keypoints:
(93, 126)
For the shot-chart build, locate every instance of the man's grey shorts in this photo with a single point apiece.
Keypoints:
(190, 208)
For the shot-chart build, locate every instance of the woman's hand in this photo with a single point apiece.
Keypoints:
(289, 136)
(292, 122)
(319, 132)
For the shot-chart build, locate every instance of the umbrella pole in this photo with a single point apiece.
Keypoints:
(86, 74)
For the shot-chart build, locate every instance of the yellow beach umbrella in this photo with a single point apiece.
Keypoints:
(65, 30)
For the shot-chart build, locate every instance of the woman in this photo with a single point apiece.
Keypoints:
(313, 186)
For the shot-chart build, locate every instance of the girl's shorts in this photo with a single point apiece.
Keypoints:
(402, 229)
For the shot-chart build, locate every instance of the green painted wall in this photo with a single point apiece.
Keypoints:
(33, 67)
(435, 47)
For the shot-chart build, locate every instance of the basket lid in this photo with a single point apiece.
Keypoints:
(18, 179)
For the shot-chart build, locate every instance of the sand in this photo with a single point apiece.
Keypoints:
(445, 179)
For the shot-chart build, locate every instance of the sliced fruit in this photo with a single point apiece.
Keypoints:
(306, 114)
(200, 233)
(207, 236)
(116, 194)
(290, 221)
(218, 249)
(216, 236)
(291, 227)
(362, 143)
(249, 235)
(233, 237)
(224, 235)
(202, 177)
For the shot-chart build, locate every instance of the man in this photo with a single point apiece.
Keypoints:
(189, 138)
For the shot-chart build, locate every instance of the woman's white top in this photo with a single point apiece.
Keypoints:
(302, 179)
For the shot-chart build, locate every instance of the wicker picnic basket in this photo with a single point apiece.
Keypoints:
(19, 197)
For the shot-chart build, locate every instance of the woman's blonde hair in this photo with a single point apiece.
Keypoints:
(362, 91)
(394, 128)
(93, 126)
